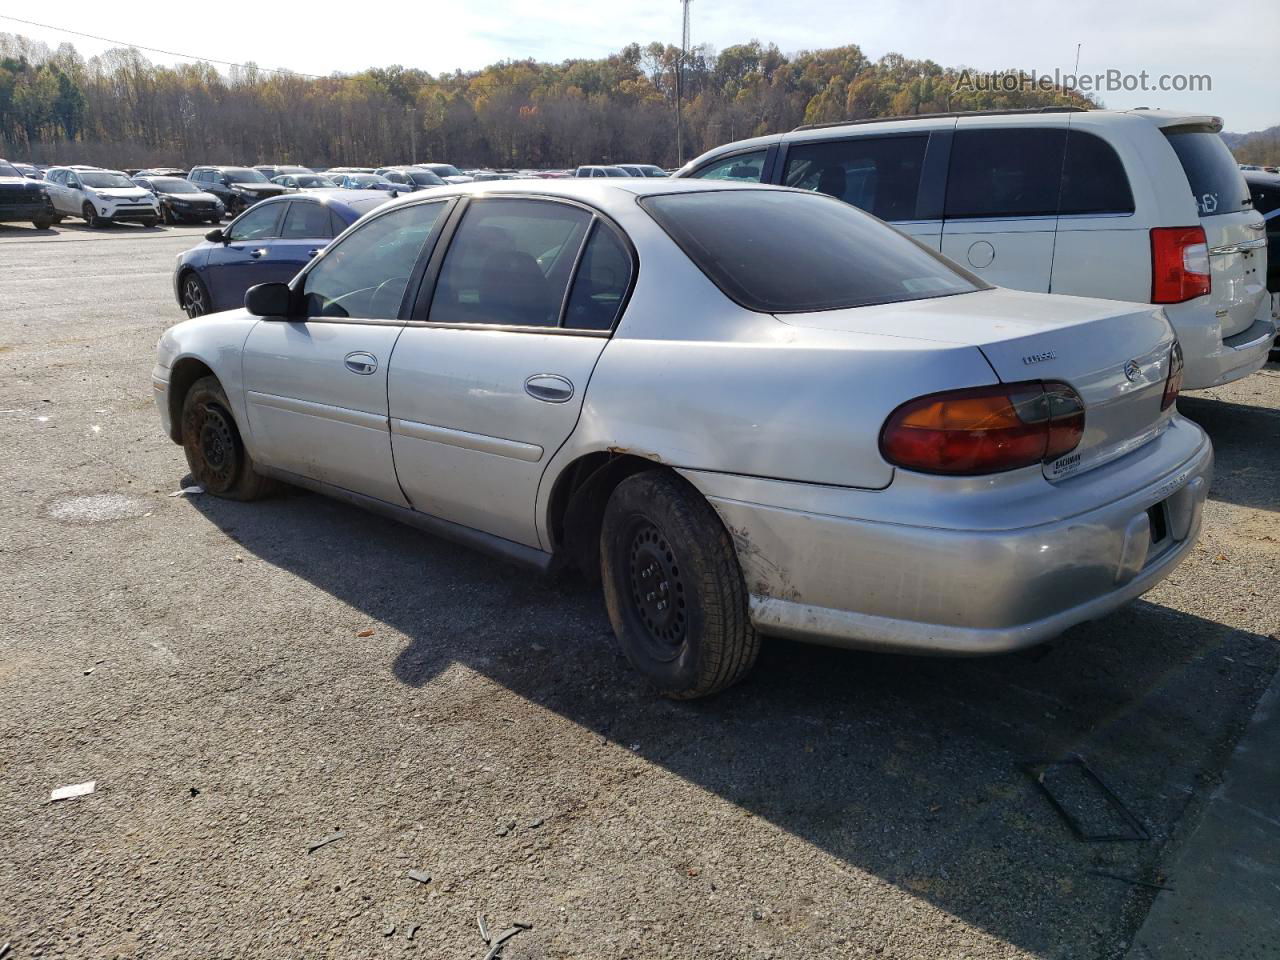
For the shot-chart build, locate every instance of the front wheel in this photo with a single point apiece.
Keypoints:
(166, 213)
(195, 295)
(673, 588)
(42, 224)
(90, 215)
(211, 440)
(150, 223)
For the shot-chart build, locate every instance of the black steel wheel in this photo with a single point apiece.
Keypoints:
(211, 440)
(673, 588)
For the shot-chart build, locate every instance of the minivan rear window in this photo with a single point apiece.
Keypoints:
(1215, 179)
(776, 251)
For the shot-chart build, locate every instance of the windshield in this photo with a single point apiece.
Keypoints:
(174, 185)
(312, 180)
(614, 172)
(103, 180)
(366, 179)
(1216, 181)
(425, 178)
(8, 170)
(244, 176)
(445, 169)
(783, 252)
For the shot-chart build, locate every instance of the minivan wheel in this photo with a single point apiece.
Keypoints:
(90, 216)
(195, 296)
(211, 440)
(673, 588)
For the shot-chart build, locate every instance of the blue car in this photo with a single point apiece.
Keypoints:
(269, 242)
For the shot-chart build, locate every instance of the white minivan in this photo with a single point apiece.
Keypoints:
(1140, 205)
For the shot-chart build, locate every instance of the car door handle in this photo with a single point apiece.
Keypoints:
(361, 362)
(549, 387)
(260, 252)
(311, 253)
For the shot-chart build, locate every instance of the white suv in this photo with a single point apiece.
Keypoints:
(1139, 205)
(100, 197)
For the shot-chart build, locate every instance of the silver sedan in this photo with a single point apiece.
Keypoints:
(746, 410)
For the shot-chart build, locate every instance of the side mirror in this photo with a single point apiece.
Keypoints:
(216, 236)
(268, 300)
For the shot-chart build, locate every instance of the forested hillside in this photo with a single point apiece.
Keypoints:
(119, 108)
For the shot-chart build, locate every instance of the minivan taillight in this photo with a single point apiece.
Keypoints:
(1179, 264)
(984, 429)
(1173, 382)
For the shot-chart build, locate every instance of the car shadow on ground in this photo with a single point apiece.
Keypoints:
(910, 769)
(1246, 443)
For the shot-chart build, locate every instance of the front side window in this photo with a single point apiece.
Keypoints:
(509, 263)
(783, 252)
(366, 273)
(257, 224)
(1215, 178)
(306, 220)
(601, 283)
(1009, 172)
(741, 166)
(878, 174)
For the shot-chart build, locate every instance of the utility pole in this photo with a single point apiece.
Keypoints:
(413, 135)
(684, 54)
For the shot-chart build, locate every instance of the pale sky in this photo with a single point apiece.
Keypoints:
(1236, 44)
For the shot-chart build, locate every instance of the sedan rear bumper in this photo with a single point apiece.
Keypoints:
(885, 585)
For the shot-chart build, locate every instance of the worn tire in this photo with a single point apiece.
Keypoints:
(660, 533)
(215, 453)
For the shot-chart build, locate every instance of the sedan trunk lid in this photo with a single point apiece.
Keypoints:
(1115, 355)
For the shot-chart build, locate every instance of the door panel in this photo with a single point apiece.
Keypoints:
(245, 261)
(470, 441)
(314, 412)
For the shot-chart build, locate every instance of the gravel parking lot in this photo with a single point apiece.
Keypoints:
(244, 680)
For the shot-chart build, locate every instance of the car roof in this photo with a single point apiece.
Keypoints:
(606, 194)
(357, 202)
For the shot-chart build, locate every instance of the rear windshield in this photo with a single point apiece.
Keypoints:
(1216, 181)
(784, 252)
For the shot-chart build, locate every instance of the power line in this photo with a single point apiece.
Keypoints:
(167, 53)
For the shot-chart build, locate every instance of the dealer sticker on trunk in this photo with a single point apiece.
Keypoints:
(1064, 466)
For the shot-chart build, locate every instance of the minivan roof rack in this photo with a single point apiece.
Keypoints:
(940, 116)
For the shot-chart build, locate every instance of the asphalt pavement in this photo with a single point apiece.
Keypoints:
(243, 681)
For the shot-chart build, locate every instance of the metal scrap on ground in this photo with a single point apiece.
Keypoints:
(337, 835)
(1090, 808)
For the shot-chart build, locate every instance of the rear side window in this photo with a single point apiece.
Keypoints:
(1215, 179)
(1005, 173)
(600, 286)
(878, 174)
(509, 263)
(306, 220)
(741, 166)
(783, 252)
(1093, 178)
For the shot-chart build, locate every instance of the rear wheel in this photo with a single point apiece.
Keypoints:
(211, 440)
(90, 215)
(195, 296)
(673, 588)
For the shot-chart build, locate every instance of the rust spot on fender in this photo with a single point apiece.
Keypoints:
(627, 451)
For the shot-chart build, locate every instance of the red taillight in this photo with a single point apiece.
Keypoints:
(984, 429)
(1173, 382)
(1179, 264)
